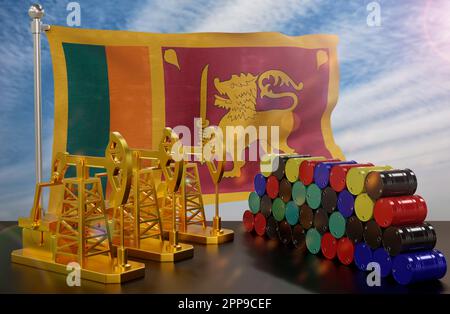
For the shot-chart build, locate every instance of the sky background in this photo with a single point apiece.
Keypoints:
(394, 103)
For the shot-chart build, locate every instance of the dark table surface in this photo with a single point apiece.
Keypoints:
(250, 264)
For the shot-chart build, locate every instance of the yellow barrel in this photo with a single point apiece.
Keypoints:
(364, 207)
(293, 164)
(356, 178)
(266, 164)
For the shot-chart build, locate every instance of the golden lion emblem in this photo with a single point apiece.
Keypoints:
(239, 95)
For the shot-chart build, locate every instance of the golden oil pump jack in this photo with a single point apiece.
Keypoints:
(77, 229)
(138, 223)
(97, 236)
(191, 218)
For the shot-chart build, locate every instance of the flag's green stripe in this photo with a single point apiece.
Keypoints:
(88, 99)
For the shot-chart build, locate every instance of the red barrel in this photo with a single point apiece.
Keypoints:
(248, 221)
(338, 175)
(400, 210)
(272, 187)
(306, 170)
(260, 224)
(345, 251)
(329, 245)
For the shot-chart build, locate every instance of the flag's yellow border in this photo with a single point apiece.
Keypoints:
(58, 34)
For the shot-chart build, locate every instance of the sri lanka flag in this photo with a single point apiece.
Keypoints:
(138, 83)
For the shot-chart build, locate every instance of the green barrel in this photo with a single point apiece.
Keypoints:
(336, 224)
(313, 196)
(292, 213)
(278, 209)
(299, 193)
(254, 202)
(313, 239)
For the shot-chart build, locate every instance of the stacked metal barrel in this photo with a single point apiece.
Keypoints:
(356, 213)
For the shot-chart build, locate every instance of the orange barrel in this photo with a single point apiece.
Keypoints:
(400, 210)
(364, 207)
(354, 229)
(329, 199)
(356, 178)
(293, 165)
(328, 245)
(338, 175)
(345, 251)
(272, 187)
(248, 221)
(373, 234)
(306, 170)
(321, 220)
(391, 183)
(306, 216)
(285, 190)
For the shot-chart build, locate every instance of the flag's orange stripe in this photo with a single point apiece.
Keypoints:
(130, 94)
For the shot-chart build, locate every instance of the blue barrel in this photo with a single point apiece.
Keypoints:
(419, 266)
(382, 257)
(322, 172)
(346, 203)
(363, 255)
(260, 184)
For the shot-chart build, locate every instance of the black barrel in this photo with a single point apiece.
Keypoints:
(321, 220)
(265, 206)
(298, 236)
(281, 162)
(306, 216)
(271, 228)
(285, 190)
(285, 232)
(391, 183)
(329, 199)
(354, 229)
(398, 240)
(373, 234)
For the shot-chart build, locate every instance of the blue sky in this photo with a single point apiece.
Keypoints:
(394, 104)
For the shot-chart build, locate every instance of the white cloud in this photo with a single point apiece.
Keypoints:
(218, 16)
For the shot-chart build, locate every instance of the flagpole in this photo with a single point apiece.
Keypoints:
(36, 12)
